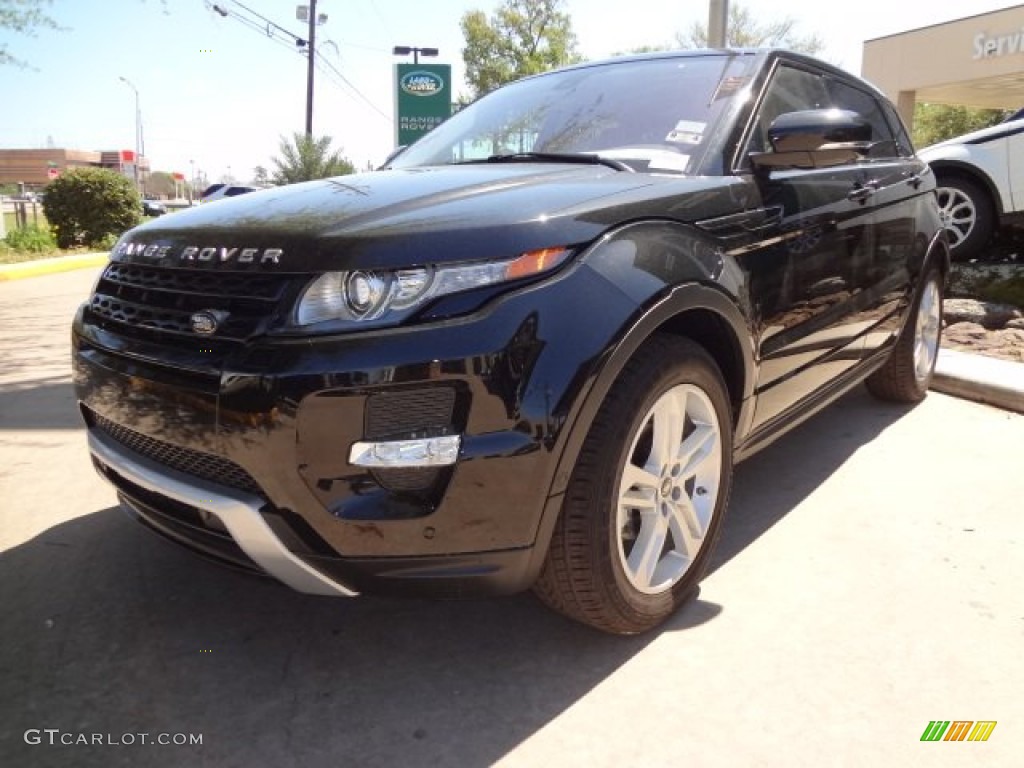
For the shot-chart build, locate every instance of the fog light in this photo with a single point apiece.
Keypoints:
(428, 452)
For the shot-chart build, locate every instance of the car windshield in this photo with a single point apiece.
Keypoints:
(652, 114)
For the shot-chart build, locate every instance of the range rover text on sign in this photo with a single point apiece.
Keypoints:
(423, 99)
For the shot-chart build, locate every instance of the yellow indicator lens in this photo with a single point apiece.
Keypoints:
(535, 262)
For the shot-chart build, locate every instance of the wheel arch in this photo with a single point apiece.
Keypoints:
(938, 255)
(947, 168)
(702, 313)
(707, 316)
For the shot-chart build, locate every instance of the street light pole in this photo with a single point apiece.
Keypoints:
(138, 133)
(718, 23)
(310, 52)
(405, 50)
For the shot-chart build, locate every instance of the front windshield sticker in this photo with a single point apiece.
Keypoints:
(668, 161)
(686, 132)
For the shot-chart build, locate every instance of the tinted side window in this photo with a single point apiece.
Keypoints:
(790, 90)
(903, 142)
(845, 96)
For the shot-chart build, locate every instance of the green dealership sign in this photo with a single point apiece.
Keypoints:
(423, 99)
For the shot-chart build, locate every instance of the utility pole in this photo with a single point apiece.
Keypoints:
(311, 51)
(718, 21)
(138, 133)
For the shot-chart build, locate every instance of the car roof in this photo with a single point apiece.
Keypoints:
(764, 54)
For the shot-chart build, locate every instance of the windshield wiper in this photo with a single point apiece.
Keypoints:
(559, 157)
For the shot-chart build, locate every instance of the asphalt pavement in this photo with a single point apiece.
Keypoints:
(867, 582)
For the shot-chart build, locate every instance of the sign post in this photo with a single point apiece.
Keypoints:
(423, 99)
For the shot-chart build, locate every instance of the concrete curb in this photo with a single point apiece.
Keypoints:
(979, 378)
(49, 266)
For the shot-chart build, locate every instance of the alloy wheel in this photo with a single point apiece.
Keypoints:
(927, 331)
(957, 213)
(668, 489)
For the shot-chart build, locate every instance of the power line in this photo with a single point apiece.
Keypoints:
(279, 35)
(274, 39)
(266, 20)
(271, 31)
(326, 62)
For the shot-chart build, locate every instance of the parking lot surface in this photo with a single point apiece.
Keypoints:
(868, 581)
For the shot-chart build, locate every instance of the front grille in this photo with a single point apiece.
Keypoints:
(404, 414)
(206, 466)
(157, 303)
(409, 413)
(407, 479)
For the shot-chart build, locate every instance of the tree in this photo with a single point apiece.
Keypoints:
(305, 158)
(938, 122)
(161, 184)
(88, 206)
(523, 37)
(25, 17)
(260, 176)
(744, 31)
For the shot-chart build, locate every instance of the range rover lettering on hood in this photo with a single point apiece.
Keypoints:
(205, 254)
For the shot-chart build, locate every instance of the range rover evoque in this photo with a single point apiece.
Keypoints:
(528, 352)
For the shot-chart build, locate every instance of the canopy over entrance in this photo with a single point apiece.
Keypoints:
(973, 62)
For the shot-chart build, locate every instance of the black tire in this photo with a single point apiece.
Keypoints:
(905, 377)
(585, 575)
(967, 214)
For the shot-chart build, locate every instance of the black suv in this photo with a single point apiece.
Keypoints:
(529, 351)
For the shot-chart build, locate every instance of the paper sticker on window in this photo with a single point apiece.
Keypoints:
(668, 161)
(686, 132)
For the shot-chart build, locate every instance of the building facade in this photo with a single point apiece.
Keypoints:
(974, 62)
(33, 169)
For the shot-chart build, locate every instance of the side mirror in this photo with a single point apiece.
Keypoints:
(815, 138)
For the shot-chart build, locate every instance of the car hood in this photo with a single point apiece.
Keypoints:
(405, 217)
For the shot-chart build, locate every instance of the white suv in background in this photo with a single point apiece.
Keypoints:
(980, 179)
(220, 191)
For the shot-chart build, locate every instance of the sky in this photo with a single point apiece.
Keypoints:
(216, 96)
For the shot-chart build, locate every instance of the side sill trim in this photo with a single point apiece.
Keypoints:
(240, 513)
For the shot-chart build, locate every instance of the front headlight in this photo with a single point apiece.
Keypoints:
(389, 296)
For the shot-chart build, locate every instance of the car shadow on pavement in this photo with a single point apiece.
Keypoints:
(770, 484)
(109, 630)
(44, 403)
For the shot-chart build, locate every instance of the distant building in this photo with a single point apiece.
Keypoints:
(35, 168)
(974, 62)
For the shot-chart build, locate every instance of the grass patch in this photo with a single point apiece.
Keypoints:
(998, 283)
(39, 220)
(27, 244)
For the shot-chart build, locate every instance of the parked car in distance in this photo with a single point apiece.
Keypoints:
(153, 208)
(216, 192)
(980, 178)
(529, 352)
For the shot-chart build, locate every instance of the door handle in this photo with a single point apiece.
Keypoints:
(861, 192)
(915, 181)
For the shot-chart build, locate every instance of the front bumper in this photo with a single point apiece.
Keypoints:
(249, 461)
(238, 512)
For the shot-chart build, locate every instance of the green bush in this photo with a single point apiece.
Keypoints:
(85, 206)
(32, 238)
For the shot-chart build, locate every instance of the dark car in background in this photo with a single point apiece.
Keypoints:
(153, 208)
(530, 351)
